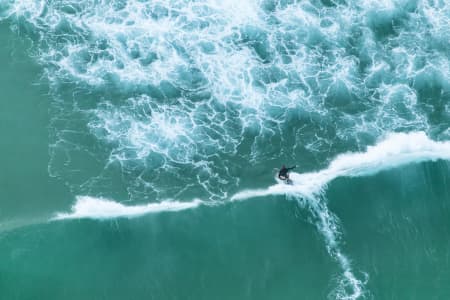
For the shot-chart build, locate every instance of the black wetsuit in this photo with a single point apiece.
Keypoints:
(283, 174)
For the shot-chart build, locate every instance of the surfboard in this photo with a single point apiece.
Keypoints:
(285, 181)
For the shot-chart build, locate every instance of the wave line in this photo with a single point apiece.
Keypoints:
(99, 208)
(396, 150)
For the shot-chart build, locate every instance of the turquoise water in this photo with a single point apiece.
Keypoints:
(140, 141)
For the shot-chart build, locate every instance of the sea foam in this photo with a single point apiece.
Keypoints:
(99, 208)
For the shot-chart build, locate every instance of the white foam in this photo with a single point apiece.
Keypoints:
(328, 225)
(99, 208)
(167, 128)
(396, 150)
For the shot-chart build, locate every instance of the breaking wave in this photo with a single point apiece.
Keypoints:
(396, 150)
(97, 208)
(178, 99)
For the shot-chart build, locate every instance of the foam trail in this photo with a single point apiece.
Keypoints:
(328, 225)
(98, 208)
(396, 150)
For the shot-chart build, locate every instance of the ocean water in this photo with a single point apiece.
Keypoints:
(140, 141)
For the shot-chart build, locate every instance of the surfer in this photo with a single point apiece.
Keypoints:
(283, 174)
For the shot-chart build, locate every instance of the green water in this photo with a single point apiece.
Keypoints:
(26, 190)
(205, 110)
(396, 228)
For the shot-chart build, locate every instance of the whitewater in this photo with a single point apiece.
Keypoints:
(175, 109)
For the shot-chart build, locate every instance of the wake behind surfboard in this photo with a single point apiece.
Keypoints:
(285, 181)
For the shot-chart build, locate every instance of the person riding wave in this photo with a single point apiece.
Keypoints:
(283, 174)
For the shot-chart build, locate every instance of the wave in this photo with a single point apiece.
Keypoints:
(200, 80)
(308, 189)
(396, 150)
(99, 208)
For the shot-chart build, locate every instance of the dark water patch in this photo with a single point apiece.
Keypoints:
(356, 45)
(270, 6)
(257, 40)
(433, 93)
(159, 12)
(190, 79)
(344, 100)
(387, 23)
(265, 76)
(148, 59)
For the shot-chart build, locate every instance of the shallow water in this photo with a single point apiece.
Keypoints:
(139, 141)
